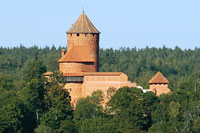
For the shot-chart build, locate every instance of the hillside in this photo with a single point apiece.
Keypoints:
(30, 103)
(139, 64)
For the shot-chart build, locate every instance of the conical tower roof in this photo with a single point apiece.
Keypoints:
(159, 79)
(83, 25)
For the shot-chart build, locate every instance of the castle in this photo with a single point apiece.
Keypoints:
(80, 65)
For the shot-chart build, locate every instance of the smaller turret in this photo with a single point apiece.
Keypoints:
(159, 84)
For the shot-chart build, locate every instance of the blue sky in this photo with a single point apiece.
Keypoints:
(123, 23)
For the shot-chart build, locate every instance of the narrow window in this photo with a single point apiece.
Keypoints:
(77, 34)
(70, 89)
(86, 34)
(71, 34)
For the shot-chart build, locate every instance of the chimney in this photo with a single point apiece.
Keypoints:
(63, 52)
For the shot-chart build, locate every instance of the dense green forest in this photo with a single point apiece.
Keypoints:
(29, 103)
(139, 64)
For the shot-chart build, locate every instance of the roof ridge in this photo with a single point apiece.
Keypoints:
(83, 25)
(159, 78)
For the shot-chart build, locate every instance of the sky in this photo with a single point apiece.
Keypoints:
(122, 23)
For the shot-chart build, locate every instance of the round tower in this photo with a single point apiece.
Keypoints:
(83, 47)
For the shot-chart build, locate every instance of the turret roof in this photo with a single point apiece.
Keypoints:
(77, 54)
(83, 25)
(159, 79)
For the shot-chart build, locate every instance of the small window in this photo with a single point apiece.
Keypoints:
(86, 34)
(71, 34)
(70, 89)
(77, 34)
(93, 34)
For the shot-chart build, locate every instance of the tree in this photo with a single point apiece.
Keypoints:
(6, 82)
(132, 108)
(110, 92)
(11, 112)
(32, 94)
(34, 70)
(88, 109)
(57, 104)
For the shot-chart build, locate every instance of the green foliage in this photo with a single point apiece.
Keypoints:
(38, 102)
(97, 125)
(87, 110)
(179, 112)
(28, 102)
(97, 97)
(11, 112)
(32, 94)
(6, 82)
(44, 129)
(89, 107)
(57, 104)
(110, 92)
(132, 108)
(139, 64)
(12, 60)
(34, 70)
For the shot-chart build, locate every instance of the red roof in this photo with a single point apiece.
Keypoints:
(102, 73)
(83, 25)
(159, 79)
(87, 74)
(93, 74)
(73, 74)
(77, 54)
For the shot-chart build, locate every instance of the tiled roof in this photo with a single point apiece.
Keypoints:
(87, 74)
(83, 25)
(93, 74)
(73, 74)
(77, 54)
(103, 73)
(159, 78)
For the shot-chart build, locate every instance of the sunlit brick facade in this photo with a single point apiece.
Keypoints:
(80, 65)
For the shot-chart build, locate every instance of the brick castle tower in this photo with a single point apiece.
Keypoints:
(83, 48)
(80, 65)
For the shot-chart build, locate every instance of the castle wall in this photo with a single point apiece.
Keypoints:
(159, 89)
(74, 67)
(89, 40)
(75, 91)
(97, 82)
(70, 67)
(83, 40)
(103, 83)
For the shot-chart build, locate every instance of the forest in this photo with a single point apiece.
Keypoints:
(30, 103)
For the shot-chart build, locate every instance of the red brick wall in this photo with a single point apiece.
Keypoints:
(89, 40)
(70, 67)
(75, 91)
(76, 67)
(159, 88)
